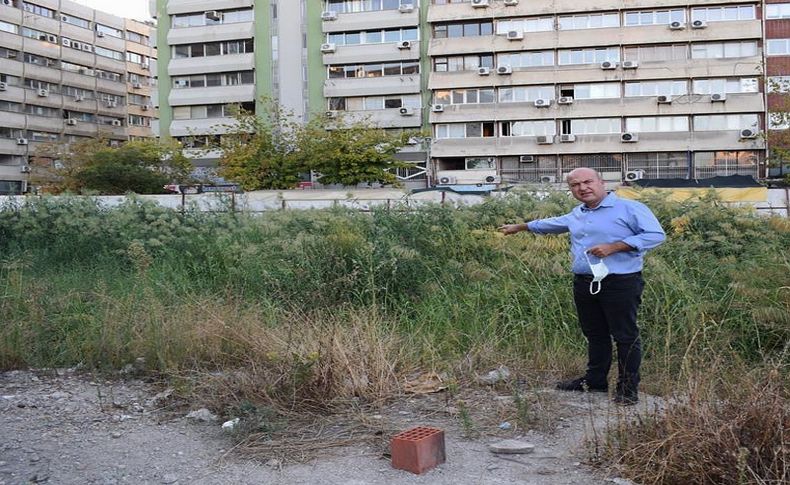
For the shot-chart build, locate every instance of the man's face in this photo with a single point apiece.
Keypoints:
(587, 187)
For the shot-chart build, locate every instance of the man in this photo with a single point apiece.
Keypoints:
(609, 237)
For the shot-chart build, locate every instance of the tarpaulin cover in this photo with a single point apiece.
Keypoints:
(734, 188)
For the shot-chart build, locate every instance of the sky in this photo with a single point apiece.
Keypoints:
(133, 9)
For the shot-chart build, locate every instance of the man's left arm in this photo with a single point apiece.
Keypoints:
(647, 234)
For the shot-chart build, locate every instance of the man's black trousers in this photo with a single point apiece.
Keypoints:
(611, 314)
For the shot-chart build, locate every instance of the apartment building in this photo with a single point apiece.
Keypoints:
(225, 53)
(526, 91)
(69, 72)
(777, 69)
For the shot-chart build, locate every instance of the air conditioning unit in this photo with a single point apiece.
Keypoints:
(664, 99)
(327, 48)
(630, 64)
(447, 180)
(329, 15)
(493, 179)
(748, 133)
(136, 85)
(542, 103)
(676, 25)
(99, 33)
(71, 122)
(634, 175)
(406, 8)
(406, 111)
(87, 47)
(78, 98)
(548, 179)
(145, 107)
(116, 122)
(699, 24)
(526, 159)
(484, 71)
(52, 38)
(567, 138)
(511, 3)
(480, 3)
(3, 86)
(81, 70)
(66, 42)
(515, 34)
(565, 100)
(24, 168)
(331, 114)
(608, 65)
(544, 139)
(503, 70)
(214, 15)
(8, 2)
(404, 44)
(112, 104)
(718, 97)
(21, 141)
(144, 65)
(437, 108)
(629, 137)
(43, 93)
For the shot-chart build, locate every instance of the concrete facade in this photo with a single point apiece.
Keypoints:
(69, 72)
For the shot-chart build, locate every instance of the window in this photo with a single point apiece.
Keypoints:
(465, 130)
(522, 60)
(6, 53)
(108, 99)
(528, 128)
(648, 124)
(42, 136)
(479, 163)
(778, 121)
(136, 120)
(136, 58)
(46, 111)
(660, 165)
(111, 31)
(778, 84)
(372, 37)
(79, 22)
(591, 91)
(104, 52)
(709, 164)
(75, 91)
(545, 24)
(721, 14)
(725, 122)
(39, 35)
(594, 126)
(38, 10)
(524, 94)
(588, 56)
(592, 21)
(6, 132)
(463, 63)
(79, 116)
(464, 96)
(654, 17)
(778, 47)
(777, 10)
(734, 85)
(656, 88)
(8, 27)
(109, 75)
(10, 106)
(656, 53)
(351, 6)
(213, 49)
(722, 50)
(36, 84)
(68, 66)
(465, 29)
(138, 38)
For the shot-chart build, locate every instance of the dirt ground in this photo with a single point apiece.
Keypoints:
(62, 427)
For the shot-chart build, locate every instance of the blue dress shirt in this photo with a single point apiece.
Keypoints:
(614, 220)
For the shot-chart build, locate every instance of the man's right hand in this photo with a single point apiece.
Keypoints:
(509, 229)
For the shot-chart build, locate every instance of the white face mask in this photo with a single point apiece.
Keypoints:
(599, 271)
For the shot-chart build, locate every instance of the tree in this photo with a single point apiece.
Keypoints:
(272, 149)
(92, 165)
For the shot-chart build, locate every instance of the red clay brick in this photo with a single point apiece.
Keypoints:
(418, 449)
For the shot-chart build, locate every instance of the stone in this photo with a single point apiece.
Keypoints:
(169, 478)
(231, 424)
(511, 447)
(499, 374)
(116, 434)
(505, 425)
(202, 414)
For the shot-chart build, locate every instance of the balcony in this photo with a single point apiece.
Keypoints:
(371, 86)
(201, 127)
(211, 33)
(348, 54)
(201, 65)
(217, 94)
(384, 19)
(383, 118)
(189, 6)
(9, 146)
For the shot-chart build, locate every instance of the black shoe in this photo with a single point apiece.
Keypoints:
(626, 399)
(581, 385)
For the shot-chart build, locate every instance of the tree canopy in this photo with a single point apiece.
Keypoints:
(92, 165)
(272, 150)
